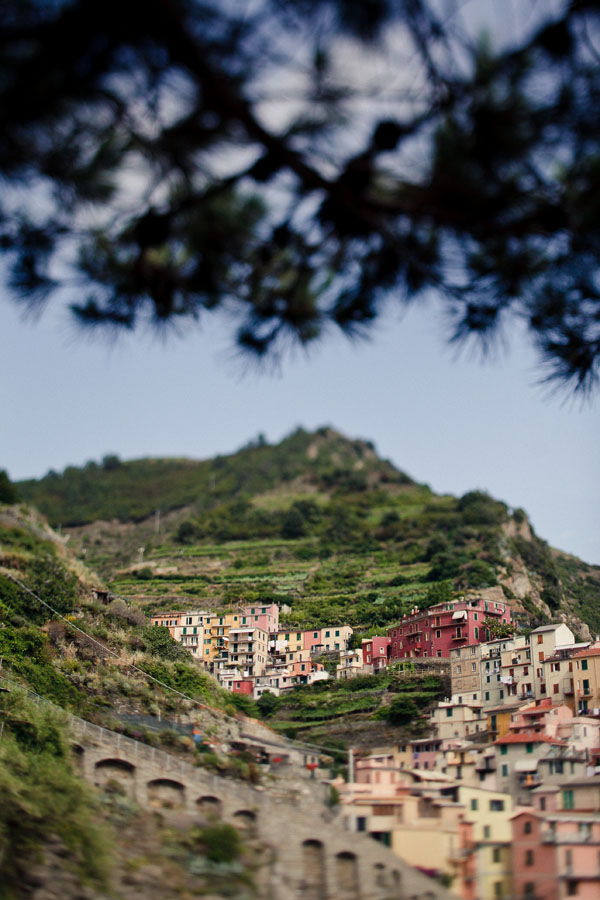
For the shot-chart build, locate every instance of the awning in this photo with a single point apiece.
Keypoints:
(526, 765)
(460, 614)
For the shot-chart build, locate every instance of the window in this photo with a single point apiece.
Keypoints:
(473, 667)
(459, 670)
(188, 621)
(487, 695)
(496, 854)
(315, 634)
(361, 823)
(496, 805)
(337, 634)
(438, 634)
(503, 750)
(473, 803)
(527, 828)
(542, 803)
(528, 748)
(327, 634)
(568, 800)
(529, 889)
(555, 688)
(504, 770)
(448, 712)
(486, 832)
(571, 888)
(540, 639)
(584, 664)
(497, 890)
(529, 859)
(476, 633)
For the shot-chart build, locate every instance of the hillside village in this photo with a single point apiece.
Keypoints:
(501, 799)
(305, 620)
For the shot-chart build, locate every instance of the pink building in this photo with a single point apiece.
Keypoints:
(243, 686)
(376, 652)
(265, 617)
(445, 626)
(556, 852)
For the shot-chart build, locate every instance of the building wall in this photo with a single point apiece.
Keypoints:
(533, 861)
(443, 627)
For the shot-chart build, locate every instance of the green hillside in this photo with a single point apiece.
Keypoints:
(130, 491)
(317, 523)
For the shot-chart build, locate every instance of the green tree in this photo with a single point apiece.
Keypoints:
(402, 710)
(8, 492)
(267, 703)
(316, 215)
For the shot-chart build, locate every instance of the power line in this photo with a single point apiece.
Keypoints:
(105, 649)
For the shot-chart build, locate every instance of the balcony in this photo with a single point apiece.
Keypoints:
(459, 637)
(549, 836)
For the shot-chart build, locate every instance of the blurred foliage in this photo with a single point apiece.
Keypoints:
(42, 796)
(323, 217)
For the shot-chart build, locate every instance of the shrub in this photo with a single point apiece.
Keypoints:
(158, 642)
(220, 843)
(267, 704)
(402, 710)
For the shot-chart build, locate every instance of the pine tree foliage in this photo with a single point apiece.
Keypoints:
(303, 164)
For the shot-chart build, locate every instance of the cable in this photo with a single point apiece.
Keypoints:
(289, 741)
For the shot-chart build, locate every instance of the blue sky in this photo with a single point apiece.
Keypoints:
(456, 424)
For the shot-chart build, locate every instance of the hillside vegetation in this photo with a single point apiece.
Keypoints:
(317, 523)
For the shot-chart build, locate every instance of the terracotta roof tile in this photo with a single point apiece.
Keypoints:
(529, 737)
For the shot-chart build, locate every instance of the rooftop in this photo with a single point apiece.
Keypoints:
(529, 737)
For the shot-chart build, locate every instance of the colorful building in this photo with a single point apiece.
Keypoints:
(439, 629)
(376, 651)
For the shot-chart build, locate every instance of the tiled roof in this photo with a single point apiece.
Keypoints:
(592, 651)
(528, 737)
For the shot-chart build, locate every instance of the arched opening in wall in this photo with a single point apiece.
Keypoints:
(380, 875)
(78, 753)
(346, 870)
(209, 808)
(313, 871)
(166, 793)
(116, 775)
(245, 819)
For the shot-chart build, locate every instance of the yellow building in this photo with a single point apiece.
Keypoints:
(490, 812)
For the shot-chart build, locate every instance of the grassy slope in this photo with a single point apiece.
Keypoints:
(48, 655)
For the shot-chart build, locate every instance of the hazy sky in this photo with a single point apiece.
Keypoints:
(454, 424)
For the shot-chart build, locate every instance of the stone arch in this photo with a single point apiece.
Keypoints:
(245, 819)
(108, 772)
(313, 886)
(209, 807)
(166, 792)
(346, 876)
(380, 875)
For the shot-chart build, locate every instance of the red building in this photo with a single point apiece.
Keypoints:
(376, 651)
(441, 628)
(243, 686)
